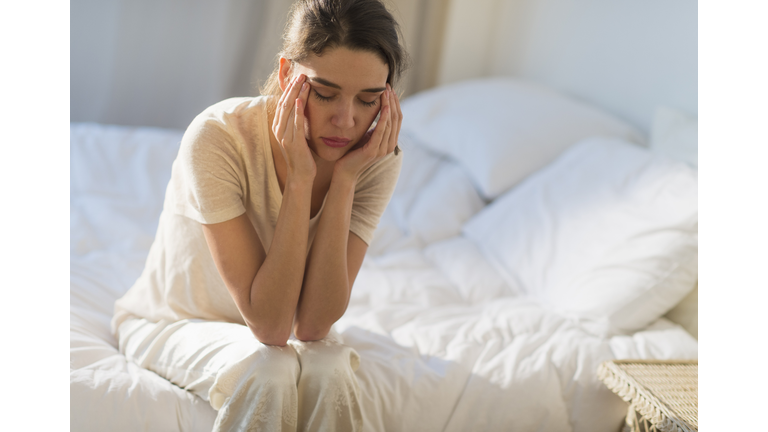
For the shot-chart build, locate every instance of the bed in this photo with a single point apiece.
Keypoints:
(530, 238)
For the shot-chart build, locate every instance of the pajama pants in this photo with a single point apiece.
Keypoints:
(304, 386)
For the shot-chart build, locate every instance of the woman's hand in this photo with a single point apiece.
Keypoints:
(288, 127)
(376, 144)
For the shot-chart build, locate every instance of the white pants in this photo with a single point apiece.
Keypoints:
(307, 386)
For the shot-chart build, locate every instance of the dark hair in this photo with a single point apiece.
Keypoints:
(317, 25)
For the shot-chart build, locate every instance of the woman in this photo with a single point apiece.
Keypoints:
(270, 208)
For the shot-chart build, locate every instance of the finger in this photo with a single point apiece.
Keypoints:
(378, 131)
(288, 104)
(365, 139)
(304, 94)
(279, 108)
(287, 125)
(285, 92)
(383, 145)
(298, 123)
(394, 121)
(289, 122)
(278, 128)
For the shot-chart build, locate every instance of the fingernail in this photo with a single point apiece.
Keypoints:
(304, 87)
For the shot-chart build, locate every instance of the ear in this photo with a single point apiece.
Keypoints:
(284, 75)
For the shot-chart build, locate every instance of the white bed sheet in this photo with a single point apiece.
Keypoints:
(438, 352)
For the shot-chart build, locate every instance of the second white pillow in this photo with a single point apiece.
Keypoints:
(501, 129)
(607, 233)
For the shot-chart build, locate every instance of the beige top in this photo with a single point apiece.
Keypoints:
(224, 169)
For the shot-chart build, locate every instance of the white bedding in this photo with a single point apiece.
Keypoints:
(444, 346)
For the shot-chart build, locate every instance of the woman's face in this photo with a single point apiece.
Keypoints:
(344, 98)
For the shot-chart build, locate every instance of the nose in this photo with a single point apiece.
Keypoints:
(343, 118)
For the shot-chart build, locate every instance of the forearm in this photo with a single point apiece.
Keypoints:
(326, 290)
(275, 290)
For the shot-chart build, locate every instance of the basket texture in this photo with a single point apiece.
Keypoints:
(664, 392)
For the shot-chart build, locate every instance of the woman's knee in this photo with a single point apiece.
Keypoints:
(326, 358)
(268, 367)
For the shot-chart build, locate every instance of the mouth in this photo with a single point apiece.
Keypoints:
(335, 142)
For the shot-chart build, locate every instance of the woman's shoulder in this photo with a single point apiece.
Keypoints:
(224, 121)
(384, 171)
(232, 110)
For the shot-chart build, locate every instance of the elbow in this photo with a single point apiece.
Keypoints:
(270, 336)
(307, 333)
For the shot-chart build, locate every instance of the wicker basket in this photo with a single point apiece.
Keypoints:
(663, 395)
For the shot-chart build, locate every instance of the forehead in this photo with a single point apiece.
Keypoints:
(351, 70)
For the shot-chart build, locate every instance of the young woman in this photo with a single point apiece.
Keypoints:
(270, 208)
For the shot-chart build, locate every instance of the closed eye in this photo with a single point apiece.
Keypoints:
(369, 104)
(320, 97)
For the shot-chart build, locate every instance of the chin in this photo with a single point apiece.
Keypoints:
(326, 153)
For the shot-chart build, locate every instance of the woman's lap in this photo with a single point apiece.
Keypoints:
(219, 361)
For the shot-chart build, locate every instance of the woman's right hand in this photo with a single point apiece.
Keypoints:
(288, 127)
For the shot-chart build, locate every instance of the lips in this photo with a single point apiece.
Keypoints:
(335, 142)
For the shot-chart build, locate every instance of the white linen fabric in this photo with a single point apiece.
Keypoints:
(118, 177)
(477, 280)
(608, 232)
(307, 386)
(436, 352)
(502, 129)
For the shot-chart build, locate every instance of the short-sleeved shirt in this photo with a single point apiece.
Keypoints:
(224, 169)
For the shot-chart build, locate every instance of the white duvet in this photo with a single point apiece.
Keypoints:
(445, 343)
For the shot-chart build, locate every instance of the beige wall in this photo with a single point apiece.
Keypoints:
(423, 25)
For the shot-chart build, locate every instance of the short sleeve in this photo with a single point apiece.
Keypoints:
(208, 174)
(372, 194)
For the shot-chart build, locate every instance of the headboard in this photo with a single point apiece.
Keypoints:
(627, 57)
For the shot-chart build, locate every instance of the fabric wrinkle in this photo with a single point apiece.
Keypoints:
(307, 386)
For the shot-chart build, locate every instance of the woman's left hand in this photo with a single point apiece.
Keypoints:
(376, 144)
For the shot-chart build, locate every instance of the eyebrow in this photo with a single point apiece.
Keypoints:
(327, 83)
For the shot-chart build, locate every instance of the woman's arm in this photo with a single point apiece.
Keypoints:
(332, 265)
(337, 254)
(265, 285)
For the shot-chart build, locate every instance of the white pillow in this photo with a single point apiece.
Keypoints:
(675, 134)
(607, 233)
(502, 129)
(444, 204)
(432, 200)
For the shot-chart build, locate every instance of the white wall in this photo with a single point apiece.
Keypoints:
(160, 63)
(627, 56)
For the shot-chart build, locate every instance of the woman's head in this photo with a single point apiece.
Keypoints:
(346, 48)
(316, 26)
